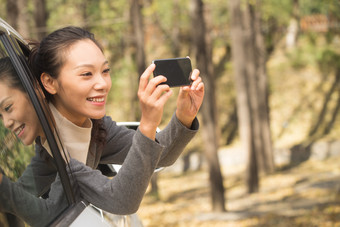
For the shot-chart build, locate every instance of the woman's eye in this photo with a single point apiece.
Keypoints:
(87, 74)
(7, 108)
(106, 70)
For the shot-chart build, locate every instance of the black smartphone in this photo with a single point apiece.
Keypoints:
(176, 70)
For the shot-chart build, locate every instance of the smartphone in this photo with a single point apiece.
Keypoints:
(176, 70)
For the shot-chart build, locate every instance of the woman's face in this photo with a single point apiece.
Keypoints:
(18, 114)
(83, 83)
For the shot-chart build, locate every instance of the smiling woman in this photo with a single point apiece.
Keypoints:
(74, 74)
(74, 77)
(15, 104)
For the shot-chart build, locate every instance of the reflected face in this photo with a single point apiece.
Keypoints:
(83, 83)
(18, 114)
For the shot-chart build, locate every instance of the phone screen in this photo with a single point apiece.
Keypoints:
(176, 70)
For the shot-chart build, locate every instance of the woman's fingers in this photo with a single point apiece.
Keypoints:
(146, 86)
(161, 94)
(196, 80)
(152, 93)
(154, 83)
(196, 83)
(144, 78)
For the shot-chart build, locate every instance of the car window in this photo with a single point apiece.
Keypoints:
(14, 156)
(25, 189)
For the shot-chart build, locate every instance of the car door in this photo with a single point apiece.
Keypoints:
(15, 157)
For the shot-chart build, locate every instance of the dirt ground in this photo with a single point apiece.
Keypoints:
(306, 195)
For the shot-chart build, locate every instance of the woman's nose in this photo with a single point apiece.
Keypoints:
(102, 83)
(8, 122)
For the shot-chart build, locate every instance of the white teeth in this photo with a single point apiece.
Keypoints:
(96, 99)
(18, 131)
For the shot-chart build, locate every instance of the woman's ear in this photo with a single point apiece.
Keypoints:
(49, 83)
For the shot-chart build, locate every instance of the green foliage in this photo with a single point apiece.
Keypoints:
(14, 156)
(271, 9)
(3, 10)
(319, 7)
(328, 61)
(298, 59)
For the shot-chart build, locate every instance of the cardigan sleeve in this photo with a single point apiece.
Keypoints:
(123, 193)
(31, 209)
(174, 137)
(39, 174)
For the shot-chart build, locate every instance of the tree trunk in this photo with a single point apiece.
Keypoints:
(23, 28)
(249, 59)
(239, 41)
(12, 13)
(17, 16)
(208, 109)
(175, 31)
(268, 165)
(136, 18)
(83, 8)
(293, 27)
(40, 18)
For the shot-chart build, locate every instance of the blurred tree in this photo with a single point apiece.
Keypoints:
(294, 27)
(329, 64)
(249, 59)
(171, 30)
(208, 109)
(40, 18)
(17, 16)
(137, 24)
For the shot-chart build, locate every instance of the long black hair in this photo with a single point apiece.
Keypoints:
(9, 75)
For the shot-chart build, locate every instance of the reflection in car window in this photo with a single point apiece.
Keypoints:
(28, 197)
(14, 156)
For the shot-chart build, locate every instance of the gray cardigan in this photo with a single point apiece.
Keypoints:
(120, 195)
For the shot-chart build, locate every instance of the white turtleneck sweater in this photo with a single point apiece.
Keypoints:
(74, 139)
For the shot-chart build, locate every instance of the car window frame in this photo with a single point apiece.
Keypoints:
(18, 61)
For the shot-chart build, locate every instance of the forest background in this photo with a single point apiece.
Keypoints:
(271, 70)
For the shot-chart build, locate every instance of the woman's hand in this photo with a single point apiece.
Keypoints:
(152, 98)
(0, 178)
(190, 99)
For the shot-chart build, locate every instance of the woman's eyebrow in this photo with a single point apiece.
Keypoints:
(84, 65)
(3, 101)
(89, 65)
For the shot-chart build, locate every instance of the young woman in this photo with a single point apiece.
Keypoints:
(74, 73)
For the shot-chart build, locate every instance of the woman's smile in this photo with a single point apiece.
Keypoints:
(20, 130)
(98, 101)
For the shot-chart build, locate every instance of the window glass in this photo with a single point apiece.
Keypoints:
(27, 174)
